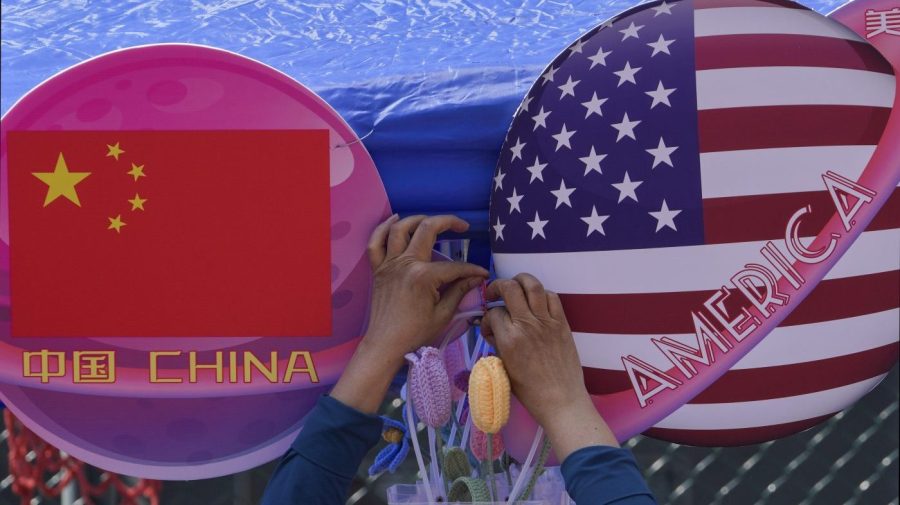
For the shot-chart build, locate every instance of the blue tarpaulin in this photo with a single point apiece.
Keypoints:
(430, 84)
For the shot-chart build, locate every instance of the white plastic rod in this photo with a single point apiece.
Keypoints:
(411, 426)
(460, 405)
(521, 479)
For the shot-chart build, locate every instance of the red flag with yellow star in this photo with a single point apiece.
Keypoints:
(170, 233)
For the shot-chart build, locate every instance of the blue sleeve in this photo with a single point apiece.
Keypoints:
(321, 463)
(602, 475)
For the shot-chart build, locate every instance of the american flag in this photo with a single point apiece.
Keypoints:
(655, 156)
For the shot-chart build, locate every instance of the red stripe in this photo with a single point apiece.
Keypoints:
(669, 313)
(601, 381)
(763, 217)
(790, 126)
(747, 385)
(731, 438)
(716, 4)
(765, 383)
(779, 50)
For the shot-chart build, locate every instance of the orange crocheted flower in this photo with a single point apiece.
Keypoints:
(489, 394)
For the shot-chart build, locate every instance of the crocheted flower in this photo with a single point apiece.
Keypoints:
(429, 387)
(389, 458)
(489, 394)
(455, 362)
(478, 444)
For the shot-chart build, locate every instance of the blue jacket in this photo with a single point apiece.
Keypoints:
(321, 463)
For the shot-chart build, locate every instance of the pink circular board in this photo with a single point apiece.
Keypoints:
(208, 429)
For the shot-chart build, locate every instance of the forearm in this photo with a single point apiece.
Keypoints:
(575, 426)
(321, 463)
(365, 381)
(602, 475)
(596, 470)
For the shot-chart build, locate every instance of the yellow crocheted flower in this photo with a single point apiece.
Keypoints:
(489, 394)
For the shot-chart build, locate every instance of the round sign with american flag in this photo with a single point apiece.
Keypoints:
(688, 177)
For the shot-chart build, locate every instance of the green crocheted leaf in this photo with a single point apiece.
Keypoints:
(469, 490)
(456, 464)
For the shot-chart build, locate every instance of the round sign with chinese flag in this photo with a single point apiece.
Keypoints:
(182, 247)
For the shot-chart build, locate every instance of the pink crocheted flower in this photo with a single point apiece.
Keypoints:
(478, 444)
(429, 386)
(455, 362)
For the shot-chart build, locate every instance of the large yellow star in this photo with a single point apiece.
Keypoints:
(137, 171)
(116, 223)
(137, 203)
(61, 182)
(114, 151)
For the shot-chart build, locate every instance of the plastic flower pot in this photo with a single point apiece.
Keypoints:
(548, 490)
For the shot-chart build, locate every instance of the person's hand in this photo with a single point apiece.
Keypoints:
(413, 299)
(533, 338)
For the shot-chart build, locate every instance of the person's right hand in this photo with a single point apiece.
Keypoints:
(533, 338)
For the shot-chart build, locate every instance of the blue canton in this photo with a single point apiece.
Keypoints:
(603, 153)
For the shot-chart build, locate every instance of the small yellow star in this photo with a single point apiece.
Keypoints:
(137, 171)
(114, 151)
(116, 223)
(61, 182)
(137, 203)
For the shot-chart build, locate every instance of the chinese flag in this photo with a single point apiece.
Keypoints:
(169, 233)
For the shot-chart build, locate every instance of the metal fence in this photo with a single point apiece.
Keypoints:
(850, 459)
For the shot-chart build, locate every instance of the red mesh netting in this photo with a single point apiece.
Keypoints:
(30, 477)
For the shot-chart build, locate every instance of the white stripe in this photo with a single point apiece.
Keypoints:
(778, 170)
(676, 269)
(772, 86)
(730, 416)
(786, 345)
(749, 20)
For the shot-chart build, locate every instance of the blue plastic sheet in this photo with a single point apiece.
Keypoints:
(430, 84)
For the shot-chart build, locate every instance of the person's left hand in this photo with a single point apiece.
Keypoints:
(413, 299)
